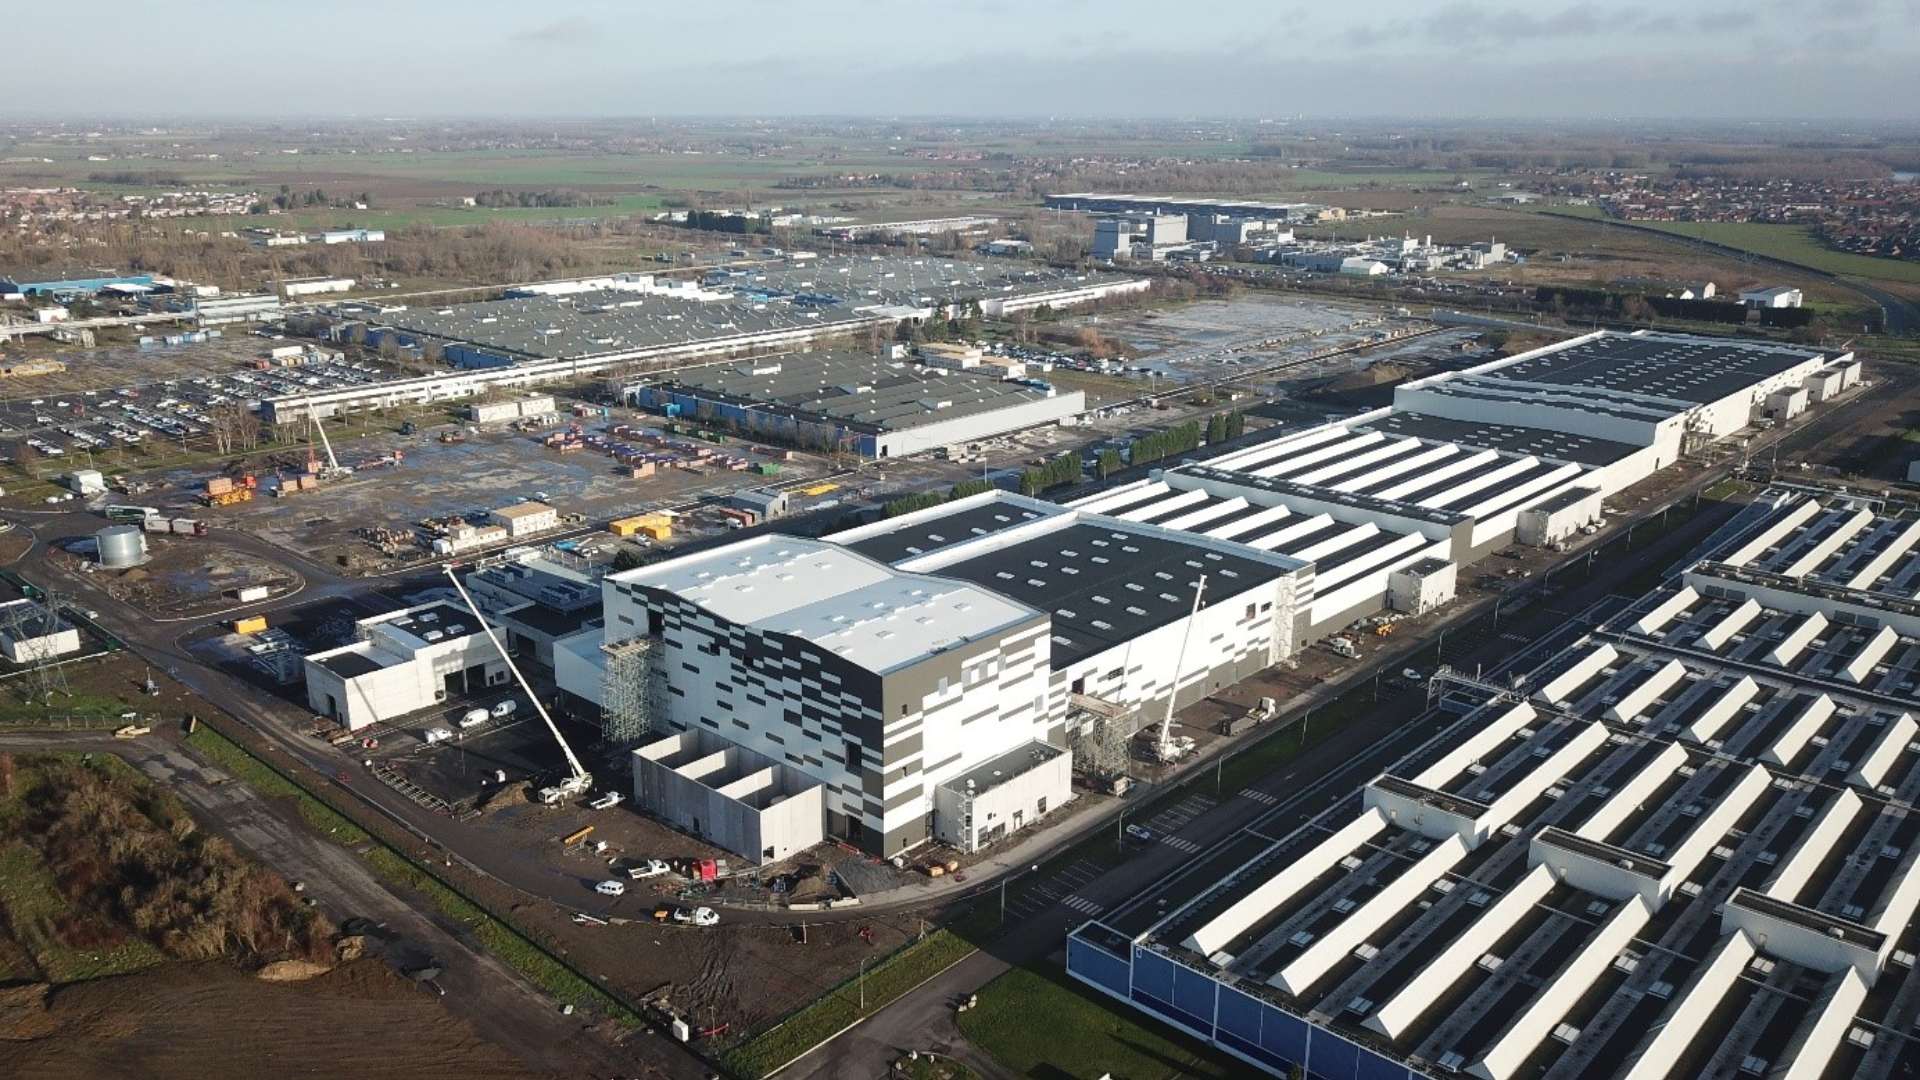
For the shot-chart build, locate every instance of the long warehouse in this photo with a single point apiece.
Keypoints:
(1682, 846)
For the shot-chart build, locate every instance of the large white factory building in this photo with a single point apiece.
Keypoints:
(841, 664)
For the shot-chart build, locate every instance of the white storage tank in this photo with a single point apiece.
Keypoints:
(121, 546)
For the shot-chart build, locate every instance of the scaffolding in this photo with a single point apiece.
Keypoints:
(629, 690)
(1097, 733)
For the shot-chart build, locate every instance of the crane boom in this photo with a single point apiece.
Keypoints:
(580, 779)
(1164, 747)
(313, 417)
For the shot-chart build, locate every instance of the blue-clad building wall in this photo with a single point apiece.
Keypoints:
(1255, 1031)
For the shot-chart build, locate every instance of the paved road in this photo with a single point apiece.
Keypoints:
(478, 986)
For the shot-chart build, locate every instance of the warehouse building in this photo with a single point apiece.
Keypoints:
(403, 662)
(1523, 450)
(875, 683)
(70, 283)
(877, 408)
(917, 289)
(562, 330)
(526, 519)
(1682, 846)
(1111, 203)
(1662, 391)
(889, 666)
(30, 633)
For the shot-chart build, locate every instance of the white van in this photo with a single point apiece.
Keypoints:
(611, 888)
(437, 735)
(504, 708)
(473, 718)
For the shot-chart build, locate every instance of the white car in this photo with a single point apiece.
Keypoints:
(611, 888)
(650, 868)
(700, 916)
(504, 708)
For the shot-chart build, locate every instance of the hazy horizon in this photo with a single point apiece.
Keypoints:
(1467, 60)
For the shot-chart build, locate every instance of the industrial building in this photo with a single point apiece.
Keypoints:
(917, 289)
(1683, 845)
(562, 330)
(875, 683)
(1108, 203)
(919, 227)
(526, 519)
(403, 662)
(494, 412)
(30, 633)
(237, 308)
(72, 283)
(1523, 449)
(878, 408)
(891, 667)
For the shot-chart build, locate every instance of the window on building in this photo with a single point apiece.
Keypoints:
(1041, 806)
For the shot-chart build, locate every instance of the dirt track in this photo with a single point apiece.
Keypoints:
(208, 1021)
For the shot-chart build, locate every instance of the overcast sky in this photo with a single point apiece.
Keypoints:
(1852, 59)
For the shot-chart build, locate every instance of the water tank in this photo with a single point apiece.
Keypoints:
(122, 546)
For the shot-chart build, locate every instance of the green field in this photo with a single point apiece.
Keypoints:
(1039, 1024)
(1791, 243)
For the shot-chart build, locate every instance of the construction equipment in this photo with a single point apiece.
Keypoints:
(574, 838)
(1385, 629)
(333, 471)
(579, 781)
(1167, 748)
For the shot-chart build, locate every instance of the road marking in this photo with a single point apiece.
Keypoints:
(1181, 843)
(1259, 796)
(1083, 905)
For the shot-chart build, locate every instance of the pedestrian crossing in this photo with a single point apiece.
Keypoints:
(1181, 843)
(1262, 797)
(1083, 905)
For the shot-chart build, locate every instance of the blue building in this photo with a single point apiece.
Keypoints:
(69, 283)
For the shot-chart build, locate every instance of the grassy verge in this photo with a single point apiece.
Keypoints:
(929, 1067)
(1039, 1023)
(237, 760)
(809, 1027)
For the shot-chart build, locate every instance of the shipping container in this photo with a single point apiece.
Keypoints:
(219, 485)
(157, 524)
(185, 527)
(250, 625)
(252, 593)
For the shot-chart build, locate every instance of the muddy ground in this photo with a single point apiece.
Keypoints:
(209, 1021)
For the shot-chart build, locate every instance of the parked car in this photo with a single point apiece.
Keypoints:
(1140, 833)
(611, 888)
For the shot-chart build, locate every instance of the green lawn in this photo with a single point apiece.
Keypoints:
(1042, 1025)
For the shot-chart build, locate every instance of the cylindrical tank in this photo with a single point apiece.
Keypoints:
(122, 546)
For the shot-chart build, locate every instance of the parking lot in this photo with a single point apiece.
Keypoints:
(122, 396)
